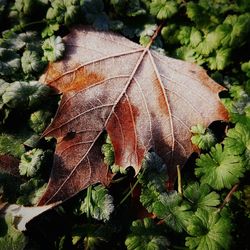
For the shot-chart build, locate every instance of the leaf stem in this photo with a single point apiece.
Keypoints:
(179, 180)
(33, 23)
(129, 193)
(229, 196)
(89, 191)
(155, 35)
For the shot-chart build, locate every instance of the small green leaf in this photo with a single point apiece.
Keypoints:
(163, 9)
(31, 191)
(99, 204)
(145, 234)
(147, 33)
(25, 94)
(219, 168)
(31, 162)
(154, 172)
(108, 151)
(184, 35)
(31, 62)
(238, 141)
(9, 62)
(11, 238)
(208, 230)
(12, 144)
(53, 48)
(39, 120)
(203, 138)
(170, 208)
(149, 195)
(221, 60)
(200, 196)
(195, 37)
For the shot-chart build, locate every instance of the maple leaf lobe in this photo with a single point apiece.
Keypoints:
(144, 101)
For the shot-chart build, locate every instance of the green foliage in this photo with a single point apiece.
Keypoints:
(91, 236)
(9, 62)
(31, 162)
(11, 144)
(31, 62)
(163, 9)
(213, 34)
(219, 168)
(201, 196)
(239, 106)
(208, 230)
(238, 142)
(95, 14)
(147, 33)
(170, 208)
(20, 53)
(25, 94)
(108, 152)
(11, 238)
(63, 11)
(39, 120)
(145, 234)
(31, 191)
(203, 138)
(53, 48)
(98, 203)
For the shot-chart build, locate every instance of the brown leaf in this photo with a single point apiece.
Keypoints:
(143, 99)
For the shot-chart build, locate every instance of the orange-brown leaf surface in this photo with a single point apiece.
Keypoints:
(143, 99)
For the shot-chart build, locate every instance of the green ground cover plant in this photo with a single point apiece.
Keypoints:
(209, 205)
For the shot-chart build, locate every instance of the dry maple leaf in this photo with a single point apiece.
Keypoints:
(143, 99)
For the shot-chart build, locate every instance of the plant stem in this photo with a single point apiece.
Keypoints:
(229, 196)
(129, 193)
(89, 191)
(155, 35)
(33, 23)
(179, 180)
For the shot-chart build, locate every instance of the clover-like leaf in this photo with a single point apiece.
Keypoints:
(25, 94)
(98, 203)
(12, 144)
(53, 48)
(31, 62)
(170, 208)
(201, 196)
(9, 62)
(31, 191)
(31, 162)
(39, 120)
(238, 141)
(208, 230)
(219, 168)
(203, 138)
(145, 234)
(163, 9)
(10, 237)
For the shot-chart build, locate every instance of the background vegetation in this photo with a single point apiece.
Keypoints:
(133, 213)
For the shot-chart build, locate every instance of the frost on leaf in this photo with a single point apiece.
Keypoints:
(144, 100)
(99, 204)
